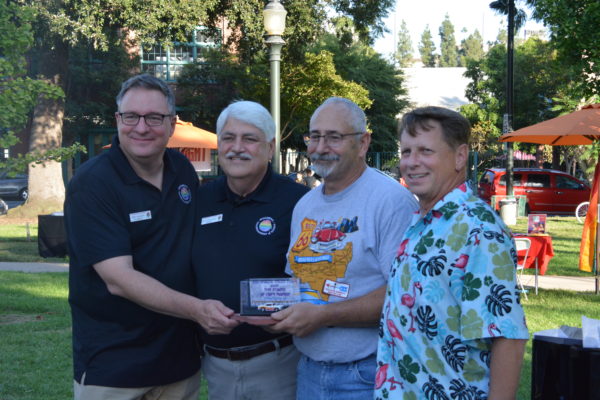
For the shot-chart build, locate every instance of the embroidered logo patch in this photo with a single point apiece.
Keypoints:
(185, 194)
(265, 226)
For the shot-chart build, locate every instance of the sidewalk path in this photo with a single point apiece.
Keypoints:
(34, 267)
(575, 283)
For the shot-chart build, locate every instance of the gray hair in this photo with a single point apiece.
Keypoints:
(456, 129)
(356, 116)
(148, 82)
(251, 113)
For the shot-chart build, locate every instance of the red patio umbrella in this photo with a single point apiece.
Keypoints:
(580, 127)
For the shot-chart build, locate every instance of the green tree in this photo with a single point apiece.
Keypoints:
(209, 87)
(361, 64)
(404, 51)
(427, 48)
(471, 48)
(62, 28)
(448, 49)
(573, 31)
(539, 76)
(19, 93)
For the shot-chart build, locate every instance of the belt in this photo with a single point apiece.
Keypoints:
(249, 352)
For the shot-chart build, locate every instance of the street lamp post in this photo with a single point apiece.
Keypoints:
(274, 22)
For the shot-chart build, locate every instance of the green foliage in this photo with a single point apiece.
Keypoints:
(427, 48)
(573, 31)
(404, 51)
(18, 93)
(448, 49)
(538, 77)
(471, 48)
(501, 7)
(361, 64)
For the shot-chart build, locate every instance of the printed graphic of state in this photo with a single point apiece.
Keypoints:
(315, 268)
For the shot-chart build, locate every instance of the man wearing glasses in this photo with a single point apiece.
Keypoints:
(129, 217)
(344, 235)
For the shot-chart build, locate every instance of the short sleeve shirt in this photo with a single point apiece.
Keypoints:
(111, 212)
(451, 290)
(241, 238)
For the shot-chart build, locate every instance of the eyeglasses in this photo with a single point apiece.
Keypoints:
(332, 139)
(132, 119)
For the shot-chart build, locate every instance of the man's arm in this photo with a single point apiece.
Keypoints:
(123, 280)
(302, 319)
(505, 367)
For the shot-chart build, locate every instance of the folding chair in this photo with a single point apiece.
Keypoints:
(522, 244)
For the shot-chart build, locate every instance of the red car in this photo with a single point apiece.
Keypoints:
(547, 191)
(327, 235)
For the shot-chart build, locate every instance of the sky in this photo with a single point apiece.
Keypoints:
(469, 14)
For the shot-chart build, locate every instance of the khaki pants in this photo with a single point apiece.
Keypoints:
(270, 376)
(187, 389)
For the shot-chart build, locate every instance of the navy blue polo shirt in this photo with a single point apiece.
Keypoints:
(110, 212)
(245, 238)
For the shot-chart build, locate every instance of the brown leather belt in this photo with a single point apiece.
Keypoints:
(249, 352)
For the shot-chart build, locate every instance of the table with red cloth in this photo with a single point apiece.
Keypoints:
(541, 250)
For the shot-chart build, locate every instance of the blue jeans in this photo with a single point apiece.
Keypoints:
(330, 381)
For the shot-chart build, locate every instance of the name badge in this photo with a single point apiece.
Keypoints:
(140, 216)
(212, 219)
(337, 289)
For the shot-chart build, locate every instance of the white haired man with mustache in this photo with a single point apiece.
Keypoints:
(344, 235)
(242, 232)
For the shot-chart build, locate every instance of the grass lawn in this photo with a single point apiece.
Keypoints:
(35, 325)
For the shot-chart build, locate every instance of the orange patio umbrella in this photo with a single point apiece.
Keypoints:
(187, 135)
(580, 127)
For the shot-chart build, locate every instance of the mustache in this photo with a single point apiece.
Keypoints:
(324, 157)
(243, 156)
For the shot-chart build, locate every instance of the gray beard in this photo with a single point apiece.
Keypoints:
(322, 170)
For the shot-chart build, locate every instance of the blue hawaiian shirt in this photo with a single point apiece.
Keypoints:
(452, 288)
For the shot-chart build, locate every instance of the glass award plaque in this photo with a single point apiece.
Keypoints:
(262, 297)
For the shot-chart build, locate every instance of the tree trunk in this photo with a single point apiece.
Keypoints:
(46, 185)
(46, 180)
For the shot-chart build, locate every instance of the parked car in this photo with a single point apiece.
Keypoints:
(546, 190)
(15, 187)
(3, 207)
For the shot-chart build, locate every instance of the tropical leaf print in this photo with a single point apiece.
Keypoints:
(499, 300)
(409, 396)
(405, 278)
(453, 320)
(487, 281)
(470, 286)
(478, 394)
(408, 369)
(472, 325)
(482, 213)
(426, 321)
(440, 243)
(473, 372)
(454, 353)
(485, 357)
(434, 292)
(459, 390)
(449, 209)
(493, 235)
(458, 237)
(505, 268)
(434, 363)
(432, 266)
(425, 242)
(433, 390)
